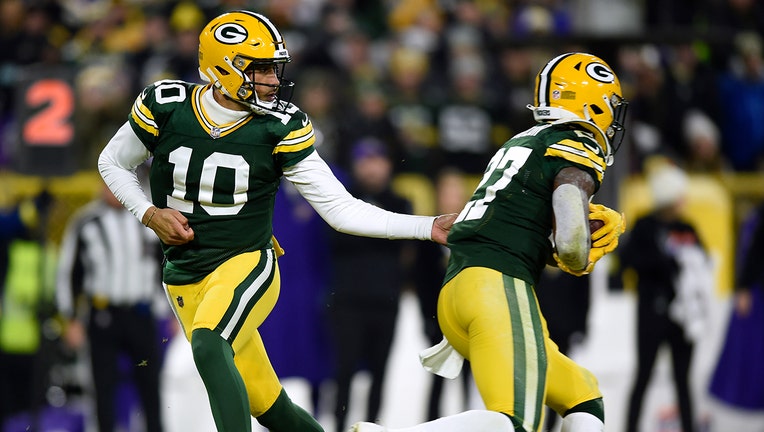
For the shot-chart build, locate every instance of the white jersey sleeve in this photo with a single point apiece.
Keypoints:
(117, 163)
(318, 185)
(571, 233)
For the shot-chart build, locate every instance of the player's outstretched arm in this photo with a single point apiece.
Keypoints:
(315, 181)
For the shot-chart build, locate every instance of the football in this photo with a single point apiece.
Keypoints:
(595, 224)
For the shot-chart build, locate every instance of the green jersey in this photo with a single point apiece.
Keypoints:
(508, 221)
(223, 178)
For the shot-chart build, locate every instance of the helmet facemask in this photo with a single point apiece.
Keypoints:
(616, 131)
(610, 122)
(247, 93)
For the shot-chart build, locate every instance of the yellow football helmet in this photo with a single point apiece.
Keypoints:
(234, 42)
(581, 88)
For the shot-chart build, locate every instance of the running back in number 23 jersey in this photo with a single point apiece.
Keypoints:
(507, 223)
(223, 178)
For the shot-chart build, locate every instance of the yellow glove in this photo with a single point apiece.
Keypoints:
(586, 270)
(595, 253)
(607, 236)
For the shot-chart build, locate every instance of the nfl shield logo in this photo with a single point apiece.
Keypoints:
(180, 301)
(215, 132)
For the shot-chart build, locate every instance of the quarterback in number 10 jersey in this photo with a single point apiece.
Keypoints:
(508, 221)
(235, 174)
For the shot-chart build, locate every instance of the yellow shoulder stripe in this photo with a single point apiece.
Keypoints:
(297, 140)
(580, 154)
(143, 117)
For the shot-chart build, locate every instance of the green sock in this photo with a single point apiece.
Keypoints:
(285, 416)
(225, 388)
(594, 407)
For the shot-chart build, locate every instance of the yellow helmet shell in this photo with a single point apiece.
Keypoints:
(580, 88)
(231, 43)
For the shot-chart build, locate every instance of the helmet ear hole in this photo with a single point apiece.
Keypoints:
(221, 71)
(596, 109)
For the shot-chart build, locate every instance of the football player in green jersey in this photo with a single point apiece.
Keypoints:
(219, 151)
(532, 207)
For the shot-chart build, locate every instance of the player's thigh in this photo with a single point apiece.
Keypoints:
(494, 321)
(473, 294)
(569, 384)
(261, 381)
(233, 300)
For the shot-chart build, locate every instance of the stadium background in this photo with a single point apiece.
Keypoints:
(83, 49)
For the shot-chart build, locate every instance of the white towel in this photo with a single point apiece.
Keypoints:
(442, 359)
(694, 285)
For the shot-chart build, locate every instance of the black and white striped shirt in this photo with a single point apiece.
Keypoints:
(106, 252)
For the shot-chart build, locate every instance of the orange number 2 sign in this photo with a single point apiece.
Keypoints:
(52, 124)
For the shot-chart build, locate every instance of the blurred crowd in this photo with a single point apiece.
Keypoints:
(441, 82)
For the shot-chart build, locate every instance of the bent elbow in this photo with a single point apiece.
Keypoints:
(573, 249)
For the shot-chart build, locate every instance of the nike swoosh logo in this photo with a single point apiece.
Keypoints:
(305, 122)
(596, 149)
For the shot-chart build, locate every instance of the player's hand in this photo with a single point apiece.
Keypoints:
(170, 226)
(595, 253)
(442, 226)
(606, 237)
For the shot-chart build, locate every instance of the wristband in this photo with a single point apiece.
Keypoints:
(151, 217)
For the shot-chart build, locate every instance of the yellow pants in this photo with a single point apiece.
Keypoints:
(494, 321)
(233, 301)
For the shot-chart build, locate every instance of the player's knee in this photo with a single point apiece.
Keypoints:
(595, 407)
(206, 346)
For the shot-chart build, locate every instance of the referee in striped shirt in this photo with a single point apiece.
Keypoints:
(108, 282)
